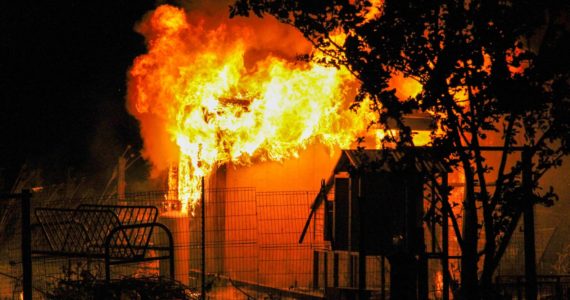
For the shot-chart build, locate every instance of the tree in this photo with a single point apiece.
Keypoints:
(488, 69)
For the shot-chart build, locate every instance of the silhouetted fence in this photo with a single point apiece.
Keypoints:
(251, 248)
(251, 243)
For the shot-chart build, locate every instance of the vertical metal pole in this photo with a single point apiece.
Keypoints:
(26, 245)
(418, 210)
(444, 237)
(203, 241)
(351, 246)
(529, 239)
(315, 270)
(171, 252)
(107, 264)
(362, 245)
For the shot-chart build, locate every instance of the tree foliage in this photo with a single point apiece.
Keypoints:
(493, 73)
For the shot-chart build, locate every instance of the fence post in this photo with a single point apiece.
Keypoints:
(529, 239)
(445, 237)
(26, 245)
(203, 241)
(315, 270)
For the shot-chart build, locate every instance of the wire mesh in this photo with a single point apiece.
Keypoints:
(283, 262)
(251, 244)
(251, 238)
(251, 241)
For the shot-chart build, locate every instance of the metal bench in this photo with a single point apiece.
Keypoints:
(117, 234)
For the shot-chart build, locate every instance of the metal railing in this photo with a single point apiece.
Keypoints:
(118, 234)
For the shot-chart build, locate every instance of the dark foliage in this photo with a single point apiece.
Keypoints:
(493, 73)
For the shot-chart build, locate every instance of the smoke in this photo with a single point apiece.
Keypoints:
(267, 35)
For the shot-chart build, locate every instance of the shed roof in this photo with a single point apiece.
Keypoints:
(424, 161)
(387, 159)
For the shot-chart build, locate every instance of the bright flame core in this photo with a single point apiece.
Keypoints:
(201, 103)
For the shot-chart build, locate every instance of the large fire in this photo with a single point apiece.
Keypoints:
(207, 95)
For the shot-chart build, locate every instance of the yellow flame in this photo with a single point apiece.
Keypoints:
(218, 108)
(208, 94)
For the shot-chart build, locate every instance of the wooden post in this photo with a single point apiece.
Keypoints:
(529, 239)
(26, 245)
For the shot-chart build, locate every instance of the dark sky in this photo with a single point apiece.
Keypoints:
(62, 82)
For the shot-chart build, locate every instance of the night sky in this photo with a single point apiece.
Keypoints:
(63, 69)
(62, 84)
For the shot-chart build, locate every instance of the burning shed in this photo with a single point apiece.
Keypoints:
(377, 209)
(378, 201)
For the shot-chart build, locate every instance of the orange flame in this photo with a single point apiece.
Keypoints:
(208, 95)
